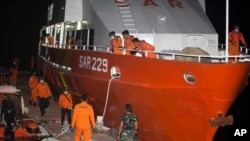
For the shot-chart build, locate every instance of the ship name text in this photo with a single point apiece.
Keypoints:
(93, 63)
(172, 3)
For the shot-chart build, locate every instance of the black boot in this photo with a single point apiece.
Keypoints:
(30, 102)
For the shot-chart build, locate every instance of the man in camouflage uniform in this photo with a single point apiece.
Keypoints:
(128, 125)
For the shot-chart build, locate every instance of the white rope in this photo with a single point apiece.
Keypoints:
(40, 122)
(107, 97)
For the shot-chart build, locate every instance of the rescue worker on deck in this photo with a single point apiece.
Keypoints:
(44, 94)
(235, 38)
(50, 39)
(77, 43)
(65, 103)
(115, 43)
(83, 118)
(128, 41)
(33, 81)
(144, 48)
(69, 42)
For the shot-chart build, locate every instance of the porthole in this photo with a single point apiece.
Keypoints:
(115, 72)
(189, 78)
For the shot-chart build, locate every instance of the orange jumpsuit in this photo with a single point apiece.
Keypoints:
(77, 42)
(144, 46)
(43, 93)
(43, 90)
(51, 40)
(82, 116)
(69, 43)
(32, 84)
(128, 44)
(115, 44)
(65, 103)
(234, 39)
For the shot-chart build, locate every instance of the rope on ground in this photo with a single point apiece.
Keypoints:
(65, 130)
(43, 122)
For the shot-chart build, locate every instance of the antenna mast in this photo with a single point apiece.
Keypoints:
(227, 25)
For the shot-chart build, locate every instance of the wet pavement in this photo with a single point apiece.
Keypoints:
(51, 120)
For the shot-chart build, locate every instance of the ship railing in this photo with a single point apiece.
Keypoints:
(203, 58)
(243, 50)
(221, 57)
(87, 47)
(56, 65)
(4, 74)
(244, 57)
(63, 46)
(190, 57)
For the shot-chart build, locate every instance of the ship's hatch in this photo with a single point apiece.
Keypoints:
(195, 41)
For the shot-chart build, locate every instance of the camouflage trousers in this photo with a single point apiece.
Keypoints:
(128, 135)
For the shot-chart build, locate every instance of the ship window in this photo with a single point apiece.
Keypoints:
(189, 78)
(115, 72)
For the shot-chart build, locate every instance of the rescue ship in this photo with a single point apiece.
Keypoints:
(183, 94)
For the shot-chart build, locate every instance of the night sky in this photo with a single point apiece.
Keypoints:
(22, 21)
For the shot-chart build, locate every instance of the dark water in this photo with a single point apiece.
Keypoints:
(241, 113)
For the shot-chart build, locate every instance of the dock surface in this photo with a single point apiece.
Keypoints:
(52, 117)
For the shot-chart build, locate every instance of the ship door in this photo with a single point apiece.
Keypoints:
(195, 41)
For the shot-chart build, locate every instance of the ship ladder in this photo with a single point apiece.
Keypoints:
(126, 15)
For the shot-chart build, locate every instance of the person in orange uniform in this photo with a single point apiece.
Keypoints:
(69, 42)
(33, 81)
(82, 117)
(144, 48)
(115, 43)
(65, 103)
(235, 37)
(50, 39)
(77, 43)
(44, 94)
(128, 41)
(14, 73)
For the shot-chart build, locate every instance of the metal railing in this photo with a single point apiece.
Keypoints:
(221, 57)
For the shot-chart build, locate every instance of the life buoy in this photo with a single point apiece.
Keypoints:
(32, 128)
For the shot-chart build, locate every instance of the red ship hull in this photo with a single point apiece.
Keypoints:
(168, 108)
